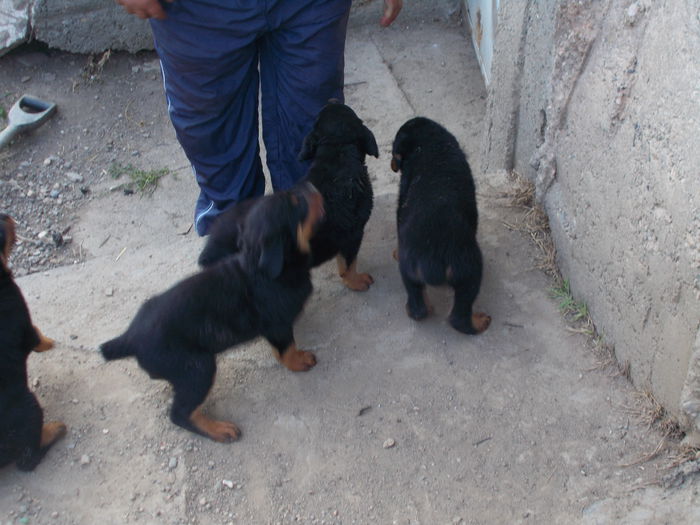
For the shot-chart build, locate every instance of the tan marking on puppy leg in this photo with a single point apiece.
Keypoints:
(51, 432)
(221, 431)
(296, 360)
(359, 282)
(449, 273)
(44, 342)
(481, 321)
(395, 254)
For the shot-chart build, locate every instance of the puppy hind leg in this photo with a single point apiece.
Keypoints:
(462, 318)
(38, 437)
(416, 307)
(191, 389)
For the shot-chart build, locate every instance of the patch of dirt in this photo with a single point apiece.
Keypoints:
(110, 110)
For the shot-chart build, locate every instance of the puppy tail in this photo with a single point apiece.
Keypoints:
(116, 348)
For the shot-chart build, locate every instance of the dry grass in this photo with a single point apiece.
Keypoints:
(646, 409)
(533, 223)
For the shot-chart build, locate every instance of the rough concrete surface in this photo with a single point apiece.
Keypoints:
(605, 126)
(517, 425)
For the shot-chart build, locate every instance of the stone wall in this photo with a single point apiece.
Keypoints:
(598, 103)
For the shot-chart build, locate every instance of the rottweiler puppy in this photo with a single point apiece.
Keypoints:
(24, 437)
(436, 221)
(337, 146)
(258, 291)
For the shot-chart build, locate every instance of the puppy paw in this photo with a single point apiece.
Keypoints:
(298, 360)
(481, 322)
(478, 323)
(221, 431)
(52, 432)
(419, 311)
(359, 282)
(45, 343)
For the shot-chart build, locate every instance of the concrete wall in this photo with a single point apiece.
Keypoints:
(600, 107)
(79, 26)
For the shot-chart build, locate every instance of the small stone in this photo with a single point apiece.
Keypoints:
(74, 401)
(31, 193)
(74, 177)
(35, 383)
(202, 501)
(227, 483)
(42, 234)
(48, 161)
(109, 292)
(54, 194)
(389, 443)
(105, 431)
(85, 459)
(172, 463)
(54, 514)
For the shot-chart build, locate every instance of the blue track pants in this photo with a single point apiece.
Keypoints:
(219, 57)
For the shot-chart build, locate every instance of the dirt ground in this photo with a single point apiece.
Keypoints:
(518, 425)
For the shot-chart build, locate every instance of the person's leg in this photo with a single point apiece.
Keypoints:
(301, 68)
(209, 57)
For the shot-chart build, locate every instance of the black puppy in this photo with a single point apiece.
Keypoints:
(437, 219)
(24, 438)
(259, 291)
(337, 146)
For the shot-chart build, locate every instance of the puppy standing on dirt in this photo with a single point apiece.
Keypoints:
(437, 220)
(260, 291)
(24, 438)
(337, 146)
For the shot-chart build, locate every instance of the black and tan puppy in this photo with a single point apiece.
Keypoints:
(337, 146)
(258, 291)
(437, 220)
(24, 438)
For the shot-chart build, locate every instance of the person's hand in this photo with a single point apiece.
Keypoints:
(391, 11)
(144, 8)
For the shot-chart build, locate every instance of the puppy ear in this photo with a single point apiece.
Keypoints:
(308, 147)
(369, 142)
(272, 258)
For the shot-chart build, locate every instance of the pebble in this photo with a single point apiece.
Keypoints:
(389, 443)
(172, 463)
(74, 177)
(227, 483)
(85, 459)
(202, 501)
(109, 292)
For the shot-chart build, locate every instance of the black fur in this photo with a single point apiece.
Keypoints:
(437, 221)
(337, 146)
(21, 416)
(259, 291)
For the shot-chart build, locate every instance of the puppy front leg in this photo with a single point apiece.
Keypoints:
(287, 353)
(347, 268)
